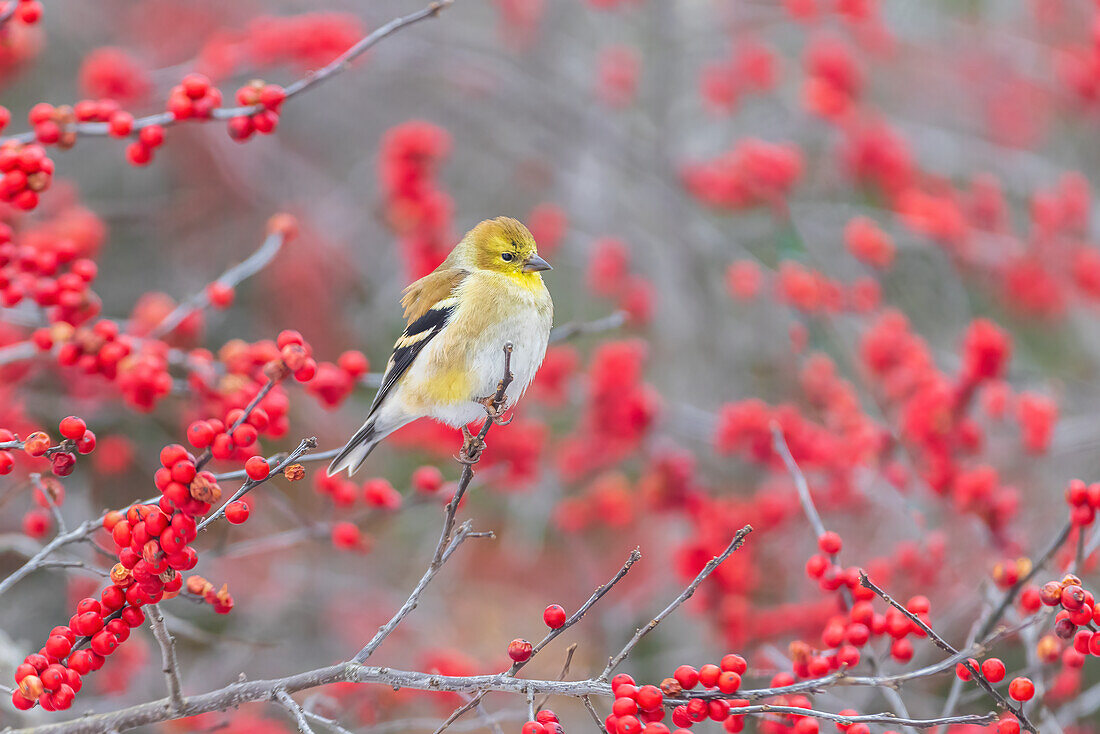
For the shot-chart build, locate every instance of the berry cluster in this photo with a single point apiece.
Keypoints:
(609, 277)
(546, 722)
(152, 547)
(271, 97)
(749, 67)
(195, 97)
(53, 676)
(27, 11)
(76, 438)
(754, 173)
(27, 172)
(333, 383)
(417, 209)
(1084, 501)
(1078, 614)
(55, 279)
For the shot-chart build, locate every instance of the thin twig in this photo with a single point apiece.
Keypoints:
(595, 716)
(305, 446)
(299, 716)
(804, 496)
(168, 655)
(410, 604)
(598, 594)
(738, 539)
(253, 264)
(579, 328)
(1010, 594)
(975, 671)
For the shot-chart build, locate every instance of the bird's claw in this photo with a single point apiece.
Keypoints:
(495, 412)
(472, 446)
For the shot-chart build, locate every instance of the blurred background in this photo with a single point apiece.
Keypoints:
(805, 203)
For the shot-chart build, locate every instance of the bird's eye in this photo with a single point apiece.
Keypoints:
(506, 257)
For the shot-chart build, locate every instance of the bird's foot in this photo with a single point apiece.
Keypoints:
(495, 412)
(472, 446)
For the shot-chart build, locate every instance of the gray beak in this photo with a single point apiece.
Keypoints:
(534, 264)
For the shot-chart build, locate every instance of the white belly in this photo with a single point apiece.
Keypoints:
(486, 363)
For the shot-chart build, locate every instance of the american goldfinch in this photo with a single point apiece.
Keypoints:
(450, 358)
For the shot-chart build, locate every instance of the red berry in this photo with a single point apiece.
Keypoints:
(345, 535)
(427, 479)
(708, 675)
(554, 616)
(121, 124)
(236, 512)
(256, 467)
(993, 670)
(686, 676)
(58, 646)
(1021, 689)
(73, 428)
(733, 663)
(650, 698)
(829, 542)
(151, 136)
(963, 672)
(200, 434)
(520, 650)
(220, 294)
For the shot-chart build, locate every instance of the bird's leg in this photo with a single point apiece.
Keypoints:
(496, 412)
(472, 446)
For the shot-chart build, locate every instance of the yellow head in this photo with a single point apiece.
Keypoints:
(501, 245)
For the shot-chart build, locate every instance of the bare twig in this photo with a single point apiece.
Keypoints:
(410, 604)
(779, 442)
(291, 705)
(580, 328)
(36, 561)
(738, 539)
(1010, 594)
(253, 264)
(598, 594)
(975, 671)
(168, 655)
(595, 716)
(305, 446)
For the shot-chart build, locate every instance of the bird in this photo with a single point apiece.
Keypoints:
(447, 363)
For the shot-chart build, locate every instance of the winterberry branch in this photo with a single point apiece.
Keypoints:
(241, 692)
(17, 352)
(1010, 594)
(305, 446)
(598, 594)
(975, 671)
(248, 267)
(339, 64)
(738, 539)
(464, 532)
(168, 656)
(36, 561)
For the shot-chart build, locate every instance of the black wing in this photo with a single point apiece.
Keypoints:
(412, 342)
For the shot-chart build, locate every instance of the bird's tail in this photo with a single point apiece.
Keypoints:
(352, 456)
